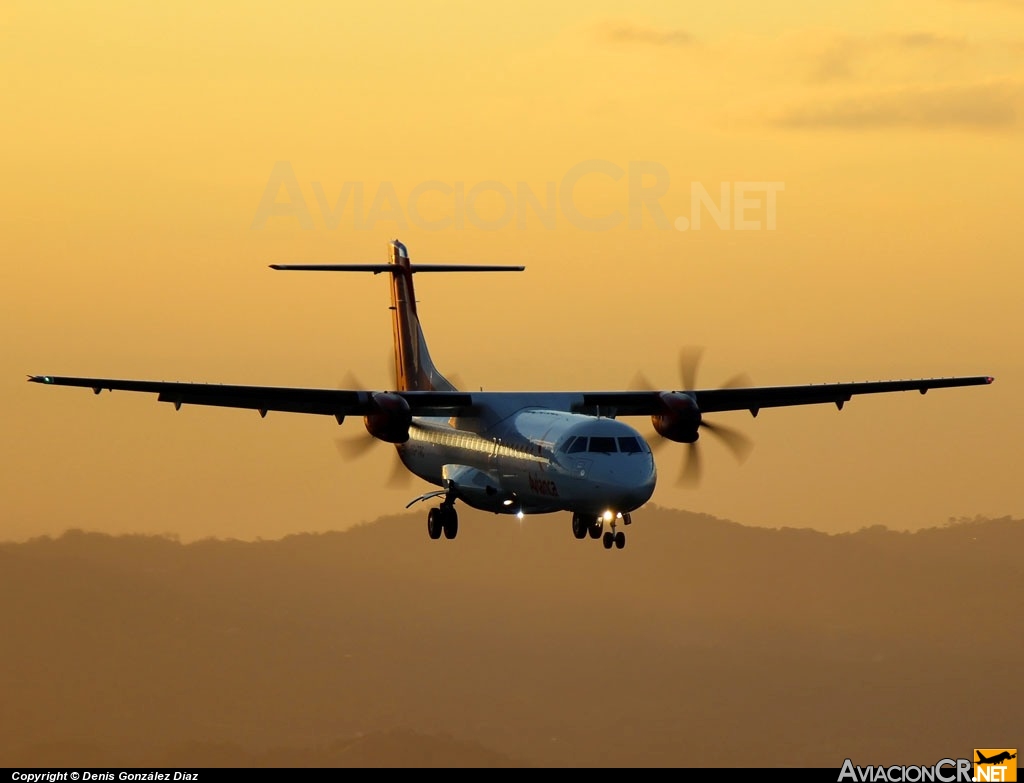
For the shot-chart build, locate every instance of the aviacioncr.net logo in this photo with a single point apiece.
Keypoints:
(995, 765)
(943, 771)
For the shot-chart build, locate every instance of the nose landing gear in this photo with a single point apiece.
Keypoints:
(584, 525)
(618, 538)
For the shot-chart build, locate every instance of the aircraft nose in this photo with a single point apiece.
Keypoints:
(627, 480)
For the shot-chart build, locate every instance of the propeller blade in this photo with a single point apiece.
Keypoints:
(351, 382)
(400, 477)
(692, 467)
(689, 360)
(640, 382)
(738, 443)
(654, 440)
(739, 381)
(392, 373)
(354, 448)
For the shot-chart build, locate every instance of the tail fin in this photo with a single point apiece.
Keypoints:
(414, 369)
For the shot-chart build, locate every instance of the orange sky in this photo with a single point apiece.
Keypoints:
(140, 140)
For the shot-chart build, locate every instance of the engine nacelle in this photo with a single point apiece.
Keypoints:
(390, 419)
(679, 418)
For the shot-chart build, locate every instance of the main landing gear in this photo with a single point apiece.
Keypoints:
(584, 525)
(443, 519)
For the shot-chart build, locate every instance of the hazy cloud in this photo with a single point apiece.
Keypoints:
(977, 107)
(652, 36)
(1007, 3)
(929, 41)
(839, 58)
(836, 62)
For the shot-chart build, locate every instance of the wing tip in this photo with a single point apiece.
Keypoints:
(989, 379)
(40, 379)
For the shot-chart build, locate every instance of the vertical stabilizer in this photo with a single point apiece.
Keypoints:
(414, 369)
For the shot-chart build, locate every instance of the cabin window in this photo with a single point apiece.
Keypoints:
(577, 445)
(629, 445)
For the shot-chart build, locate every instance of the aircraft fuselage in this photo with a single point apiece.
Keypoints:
(535, 461)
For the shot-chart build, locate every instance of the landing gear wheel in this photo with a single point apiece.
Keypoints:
(620, 540)
(434, 523)
(450, 521)
(579, 526)
(595, 528)
(608, 539)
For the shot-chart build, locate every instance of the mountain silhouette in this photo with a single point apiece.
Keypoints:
(701, 644)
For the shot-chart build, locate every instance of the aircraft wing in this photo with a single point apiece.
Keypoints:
(327, 402)
(753, 398)
(341, 403)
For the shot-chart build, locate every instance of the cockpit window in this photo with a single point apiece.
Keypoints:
(576, 445)
(604, 445)
(629, 445)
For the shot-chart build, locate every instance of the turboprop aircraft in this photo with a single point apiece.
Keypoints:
(536, 452)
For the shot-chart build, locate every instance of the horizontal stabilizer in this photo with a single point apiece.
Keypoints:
(378, 268)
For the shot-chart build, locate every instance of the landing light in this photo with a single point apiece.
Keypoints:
(520, 515)
(608, 516)
(507, 502)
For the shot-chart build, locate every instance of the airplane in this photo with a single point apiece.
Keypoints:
(999, 758)
(532, 452)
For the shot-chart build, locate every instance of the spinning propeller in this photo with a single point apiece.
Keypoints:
(357, 446)
(738, 443)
